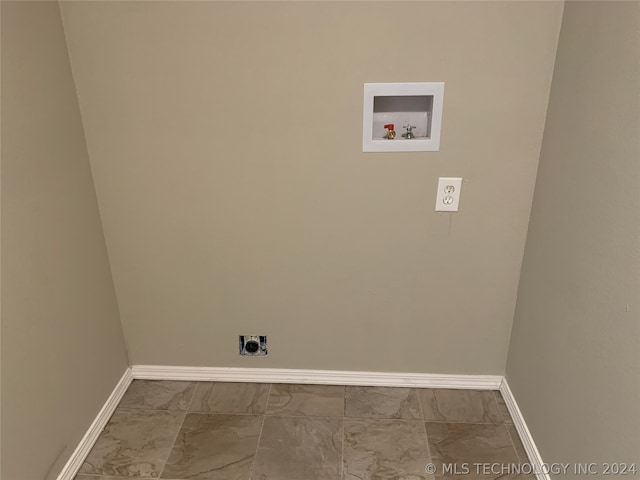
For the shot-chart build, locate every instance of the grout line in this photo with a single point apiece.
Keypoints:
(344, 408)
(424, 425)
(102, 477)
(132, 409)
(267, 399)
(468, 423)
(212, 394)
(99, 475)
(239, 414)
(513, 444)
(500, 410)
(288, 415)
(455, 422)
(344, 434)
(195, 395)
(275, 415)
(175, 438)
(255, 457)
(495, 400)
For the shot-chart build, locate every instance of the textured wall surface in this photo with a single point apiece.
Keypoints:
(225, 142)
(574, 362)
(62, 345)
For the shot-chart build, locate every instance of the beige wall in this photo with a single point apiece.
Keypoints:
(62, 345)
(574, 362)
(225, 142)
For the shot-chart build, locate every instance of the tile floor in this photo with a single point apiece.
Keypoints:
(204, 430)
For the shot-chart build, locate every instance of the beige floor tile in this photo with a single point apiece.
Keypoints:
(467, 406)
(299, 448)
(382, 402)
(214, 447)
(135, 443)
(312, 400)
(454, 445)
(158, 395)
(250, 398)
(385, 449)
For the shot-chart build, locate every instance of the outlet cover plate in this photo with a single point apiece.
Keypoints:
(448, 195)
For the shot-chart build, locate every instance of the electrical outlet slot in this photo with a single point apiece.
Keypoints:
(253, 345)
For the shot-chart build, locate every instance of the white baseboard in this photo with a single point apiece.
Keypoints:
(326, 377)
(523, 431)
(74, 463)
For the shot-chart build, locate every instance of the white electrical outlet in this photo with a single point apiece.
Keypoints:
(448, 195)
